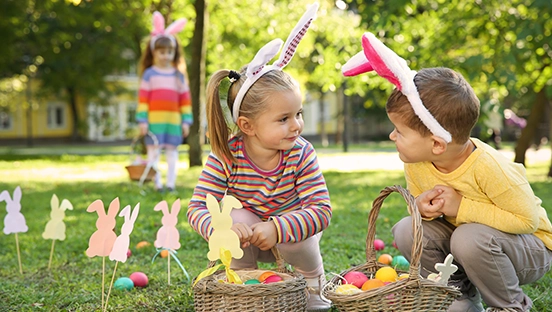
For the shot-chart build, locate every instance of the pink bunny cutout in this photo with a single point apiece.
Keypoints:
(102, 240)
(14, 222)
(55, 228)
(386, 63)
(168, 236)
(120, 247)
(159, 29)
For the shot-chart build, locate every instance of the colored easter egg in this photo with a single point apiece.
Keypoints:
(139, 279)
(252, 281)
(400, 262)
(164, 253)
(266, 274)
(142, 244)
(386, 274)
(372, 283)
(385, 259)
(356, 278)
(395, 245)
(129, 253)
(378, 244)
(273, 279)
(123, 283)
(347, 289)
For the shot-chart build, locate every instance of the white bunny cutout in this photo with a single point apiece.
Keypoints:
(55, 228)
(120, 247)
(258, 66)
(221, 221)
(14, 222)
(375, 56)
(168, 236)
(159, 29)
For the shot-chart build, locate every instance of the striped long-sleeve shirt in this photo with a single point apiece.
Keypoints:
(164, 103)
(294, 195)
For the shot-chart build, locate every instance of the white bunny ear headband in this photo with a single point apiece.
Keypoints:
(258, 66)
(378, 57)
(159, 29)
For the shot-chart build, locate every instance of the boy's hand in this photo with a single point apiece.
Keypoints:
(451, 200)
(244, 233)
(429, 204)
(264, 235)
(143, 128)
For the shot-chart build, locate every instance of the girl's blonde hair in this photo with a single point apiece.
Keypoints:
(146, 60)
(254, 103)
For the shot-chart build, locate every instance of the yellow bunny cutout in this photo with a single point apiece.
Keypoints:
(221, 221)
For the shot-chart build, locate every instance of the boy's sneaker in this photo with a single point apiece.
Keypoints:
(316, 301)
(467, 304)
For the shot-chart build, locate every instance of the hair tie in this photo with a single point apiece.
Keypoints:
(159, 29)
(379, 58)
(234, 76)
(258, 66)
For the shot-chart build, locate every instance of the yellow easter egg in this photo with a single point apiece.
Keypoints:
(386, 274)
(403, 276)
(347, 289)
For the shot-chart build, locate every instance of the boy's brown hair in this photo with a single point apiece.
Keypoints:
(447, 96)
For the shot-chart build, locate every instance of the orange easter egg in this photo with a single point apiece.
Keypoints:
(164, 253)
(266, 274)
(385, 259)
(372, 283)
(142, 244)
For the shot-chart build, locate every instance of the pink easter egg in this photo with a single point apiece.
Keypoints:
(273, 279)
(355, 278)
(139, 278)
(378, 244)
(129, 253)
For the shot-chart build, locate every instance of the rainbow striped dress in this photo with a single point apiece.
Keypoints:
(294, 195)
(164, 104)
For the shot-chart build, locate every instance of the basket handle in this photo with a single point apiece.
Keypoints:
(416, 253)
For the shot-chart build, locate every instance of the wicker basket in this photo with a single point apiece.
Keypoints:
(411, 294)
(210, 295)
(135, 172)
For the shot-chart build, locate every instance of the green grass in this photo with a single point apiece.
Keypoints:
(74, 281)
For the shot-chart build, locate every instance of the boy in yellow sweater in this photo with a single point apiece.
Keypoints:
(476, 204)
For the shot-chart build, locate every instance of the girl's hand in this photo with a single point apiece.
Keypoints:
(244, 233)
(185, 130)
(264, 235)
(429, 204)
(451, 200)
(143, 128)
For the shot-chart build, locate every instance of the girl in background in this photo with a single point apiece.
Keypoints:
(164, 107)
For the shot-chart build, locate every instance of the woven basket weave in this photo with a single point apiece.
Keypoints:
(210, 295)
(411, 294)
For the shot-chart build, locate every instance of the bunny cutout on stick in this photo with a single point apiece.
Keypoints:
(168, 236)
(386, 63)
(221, 221)
(159, 29)
(14, 222)
(55, 228)
(120, 247)
(102, 240)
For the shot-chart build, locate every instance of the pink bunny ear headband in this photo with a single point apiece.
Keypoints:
(258, 66)
(378, 57)
(159, 29)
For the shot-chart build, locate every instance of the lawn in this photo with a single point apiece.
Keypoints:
(73, 283)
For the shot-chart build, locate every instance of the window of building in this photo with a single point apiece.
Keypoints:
(56, 116)
(5, 120)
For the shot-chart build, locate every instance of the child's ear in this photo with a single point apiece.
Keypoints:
(245, 125)
(439, 145)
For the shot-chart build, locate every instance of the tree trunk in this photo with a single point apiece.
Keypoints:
(323, 133)
(339, 119)
(197, 79)
(72, 96)
(528, 133)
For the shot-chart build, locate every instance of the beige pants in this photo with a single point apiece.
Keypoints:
(496, 263)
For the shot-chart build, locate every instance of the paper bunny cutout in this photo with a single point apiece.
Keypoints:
(55, 228)
(102, 240)
(120, 247)
(159, 29)
(221, 221)
(168, 236)
(386, 63)
(14, 222)
(258, 66)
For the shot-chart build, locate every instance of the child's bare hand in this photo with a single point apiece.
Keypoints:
(244, 233)
(264, 235)
(451, 200)
(143, 128)
(185, 130)
(429, 204)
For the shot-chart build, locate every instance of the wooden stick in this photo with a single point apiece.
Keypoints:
(103, 280)
(109, 291)
(18, 254)
(169, 267)
(51, 254)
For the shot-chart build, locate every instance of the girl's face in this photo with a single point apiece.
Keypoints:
(163, 57)
(410, 144)
(280, 125)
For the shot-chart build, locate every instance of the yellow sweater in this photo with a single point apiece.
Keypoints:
(495, 192)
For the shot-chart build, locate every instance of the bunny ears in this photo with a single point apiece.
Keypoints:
(159, 29)
(378, 57)
(258, 66)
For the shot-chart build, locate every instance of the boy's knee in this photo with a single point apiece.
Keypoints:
(466, 241)
(402, 233)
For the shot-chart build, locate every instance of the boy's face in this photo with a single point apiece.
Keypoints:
(410, 144)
